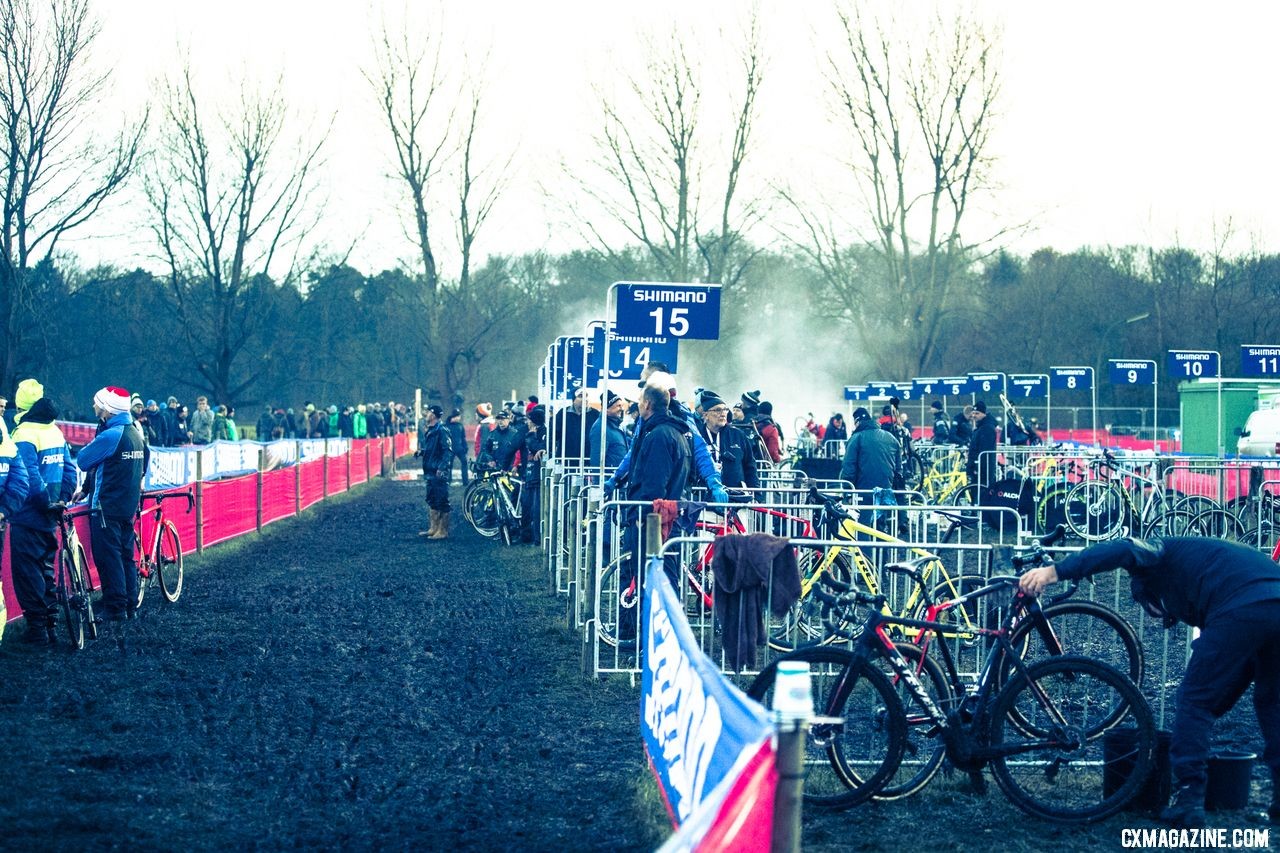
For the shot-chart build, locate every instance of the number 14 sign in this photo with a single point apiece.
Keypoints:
(668, 310)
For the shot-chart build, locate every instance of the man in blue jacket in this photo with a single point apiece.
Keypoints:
(13, 485)
(114, 464)
(52, 478)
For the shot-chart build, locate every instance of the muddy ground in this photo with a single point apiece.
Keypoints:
(339, 683)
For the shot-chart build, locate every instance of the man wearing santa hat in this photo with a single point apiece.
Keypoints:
(114, 464)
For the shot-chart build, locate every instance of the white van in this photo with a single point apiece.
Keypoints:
(1261, 434)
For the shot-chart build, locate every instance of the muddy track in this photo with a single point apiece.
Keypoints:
(337, 682)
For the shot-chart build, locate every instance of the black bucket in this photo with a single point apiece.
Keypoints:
(1117, 751)
(1229, 775)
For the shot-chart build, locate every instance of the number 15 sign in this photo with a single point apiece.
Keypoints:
(668, 310)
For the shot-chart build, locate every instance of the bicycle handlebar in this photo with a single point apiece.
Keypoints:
(159, 497)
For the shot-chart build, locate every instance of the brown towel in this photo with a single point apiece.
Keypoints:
(748, 569)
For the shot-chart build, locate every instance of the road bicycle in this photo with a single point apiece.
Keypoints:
(945, 482)
(493, 505)
(1102, 507)
(72, 589)
(1040, 725)
(848, 563)
(160, 561)
(696, 572)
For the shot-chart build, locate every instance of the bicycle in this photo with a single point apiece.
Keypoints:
(160, 563)
(72, 590)
(945, 482)
(493, 506)
(1102, 508)
(1040, 730)
(845, 563)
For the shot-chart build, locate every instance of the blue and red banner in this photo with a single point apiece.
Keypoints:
(710, 747)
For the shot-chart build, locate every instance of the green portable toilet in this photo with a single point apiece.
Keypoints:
(1198, 408)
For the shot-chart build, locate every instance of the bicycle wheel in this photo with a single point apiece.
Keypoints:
(1218, 524)
(1063, 771)
(1051, 509)
(1172, 522)
(923, 748)
(912, 470)
(619, 618)
(74, 597)
(802, 624)
(845, 763)
(1095, 510)
(168, 562)
(965, 619)
(482, 509)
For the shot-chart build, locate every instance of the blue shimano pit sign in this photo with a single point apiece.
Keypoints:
(655, 310)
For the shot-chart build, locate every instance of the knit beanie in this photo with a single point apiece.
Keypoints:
(29, 390)
(114, 400)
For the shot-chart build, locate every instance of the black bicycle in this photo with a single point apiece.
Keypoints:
(1040, 726)
(71, 578)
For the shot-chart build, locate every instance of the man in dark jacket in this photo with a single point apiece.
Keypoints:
(941, 423)
(534, 448)
(1232, 594)
(436, 450)
(615, 440)
(52, 478)
(962, 429)
(872, 460)
(730, 447)
(659, 470)
(458, 437)
(266, 423)
(836, 430)
(503, 443)
(981, 464)
(114, 464)
(570, 441)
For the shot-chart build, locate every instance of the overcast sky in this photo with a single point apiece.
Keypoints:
(1147, 123)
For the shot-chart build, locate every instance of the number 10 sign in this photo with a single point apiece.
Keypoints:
(662, 310)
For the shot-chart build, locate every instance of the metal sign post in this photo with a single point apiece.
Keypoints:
(1074, 379)
(1198, 364)
(1139, 372)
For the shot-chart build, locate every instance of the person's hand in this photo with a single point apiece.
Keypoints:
(1034, 581)
(719, 496)
(77, 497)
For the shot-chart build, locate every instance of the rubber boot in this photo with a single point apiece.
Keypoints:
(430, 532)
(1186, 811)
(442, 531)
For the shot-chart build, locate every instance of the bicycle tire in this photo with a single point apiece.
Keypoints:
(1080, 628)
(1173, 522)
(86, 590)
(1096, 510)
(1051, 509)
(1218, 524)
(74, 599)
(872, 735)
(482, 511)
(1064, 777)
(924, 747)
(609, 631)
(168, 562)
(802, 625)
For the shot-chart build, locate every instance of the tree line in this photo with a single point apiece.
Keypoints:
(880, 275)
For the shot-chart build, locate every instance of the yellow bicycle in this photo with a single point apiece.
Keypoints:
(849, 564)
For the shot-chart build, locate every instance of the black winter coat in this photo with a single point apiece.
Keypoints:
(731, 450)
(982, 456)
(436, 449)
(871, 457)
(659, 460)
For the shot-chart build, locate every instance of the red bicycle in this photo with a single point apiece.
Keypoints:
(699, 580)
(160, 563)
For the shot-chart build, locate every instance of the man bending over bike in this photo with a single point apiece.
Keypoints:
(1232, 594)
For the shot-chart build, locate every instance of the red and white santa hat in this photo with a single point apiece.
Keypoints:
(112, 399)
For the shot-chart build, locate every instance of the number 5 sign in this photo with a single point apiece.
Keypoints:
(668, 310)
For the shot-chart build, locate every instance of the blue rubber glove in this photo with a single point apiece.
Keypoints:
(719, 496)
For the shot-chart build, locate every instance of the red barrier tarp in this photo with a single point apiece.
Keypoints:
(337, 482)
(359, 461)
(230, 508)
(312, 474)
(279, 499)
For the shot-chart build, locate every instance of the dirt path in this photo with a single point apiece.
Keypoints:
(336, 682)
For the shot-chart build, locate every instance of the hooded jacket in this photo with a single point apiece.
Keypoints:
(871, 457)
(13, 476)
(114, 464)
(660, 459)
(702, 462)
(46, 456)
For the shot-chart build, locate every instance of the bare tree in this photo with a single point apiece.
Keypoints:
(435, 125)
(652, 173)
(231, 200)
(920, 121)
(57, 171)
